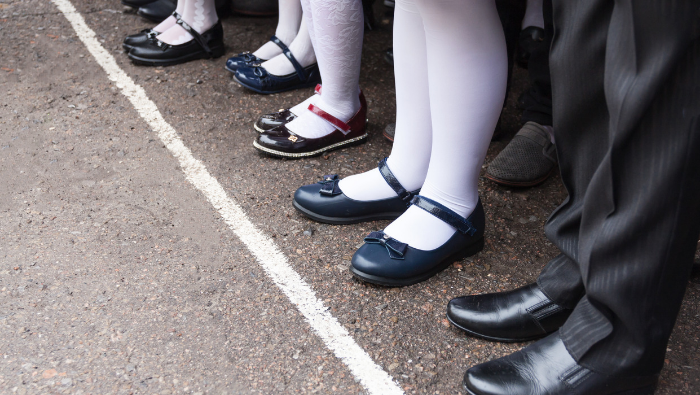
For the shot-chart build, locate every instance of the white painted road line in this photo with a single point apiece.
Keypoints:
(337, 339)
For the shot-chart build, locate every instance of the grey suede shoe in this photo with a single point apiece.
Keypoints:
(527, 160)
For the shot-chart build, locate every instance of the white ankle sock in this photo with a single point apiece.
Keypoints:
(471, 84)
(302, 50)
(287, 28)
(199, 14)
(533, 14)
(336, 29)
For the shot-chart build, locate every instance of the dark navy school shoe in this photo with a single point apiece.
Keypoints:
(247, 59)
(257, 79)
(325, 202)
(386, 261)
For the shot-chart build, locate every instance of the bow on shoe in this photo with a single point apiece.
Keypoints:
(396, 248)
(259, 70)
(330, 185)
(248, 57)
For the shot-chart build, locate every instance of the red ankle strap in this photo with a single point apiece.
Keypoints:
(318, 89)
(344, 127)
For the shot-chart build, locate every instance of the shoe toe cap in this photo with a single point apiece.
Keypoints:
(308, 196)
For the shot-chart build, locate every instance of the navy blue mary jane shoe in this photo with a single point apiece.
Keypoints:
(325, 202)
(257, 79)
(247, 59)
(386, 261)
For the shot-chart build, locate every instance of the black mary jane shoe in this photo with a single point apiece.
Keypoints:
(257, 79)
(247, 59)
(139, 39)
(386, 261)
(209, 44)
(325, 202)
(519, 315)
(547, 368)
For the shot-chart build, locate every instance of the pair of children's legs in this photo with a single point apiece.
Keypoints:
(450, 70)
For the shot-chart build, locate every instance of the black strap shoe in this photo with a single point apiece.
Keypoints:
(209, 44)
(515, 316)
(142, 37)
(547, 368)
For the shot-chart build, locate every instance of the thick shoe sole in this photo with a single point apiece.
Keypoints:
(344, 220)
(217, 53)
(496, 339)
(343, 144)
(520, 184)
(390, 282)
(295, 87)
(649, 390)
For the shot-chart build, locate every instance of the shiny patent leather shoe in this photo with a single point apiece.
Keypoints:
(247, 59)
(547, 368)
(144, 36)
(515, 316)
(209, 44)
(257, 79)
(386, 261)
(284, 115)
(138, 39)
(282, 142)
(325, 202)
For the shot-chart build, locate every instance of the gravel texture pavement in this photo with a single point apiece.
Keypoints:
(116, 276)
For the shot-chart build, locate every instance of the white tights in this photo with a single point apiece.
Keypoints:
(336, 28)
(450, 67)
(199, 14)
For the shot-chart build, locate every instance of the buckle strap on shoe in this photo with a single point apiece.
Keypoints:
(340, 125)
(195, 34)
(285, 50)
(394, 183)
(445, 214)
(395, 248)
(330, 185)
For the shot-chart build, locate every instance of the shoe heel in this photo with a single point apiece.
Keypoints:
(473, 249)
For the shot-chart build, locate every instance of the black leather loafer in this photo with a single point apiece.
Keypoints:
(156, 11)
(547, 368)
(386, 261)
(515, 316)
(257, 79)
(138, 39)
(209, 44)
(325, 202)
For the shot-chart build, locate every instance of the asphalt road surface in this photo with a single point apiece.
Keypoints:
(119, 275)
